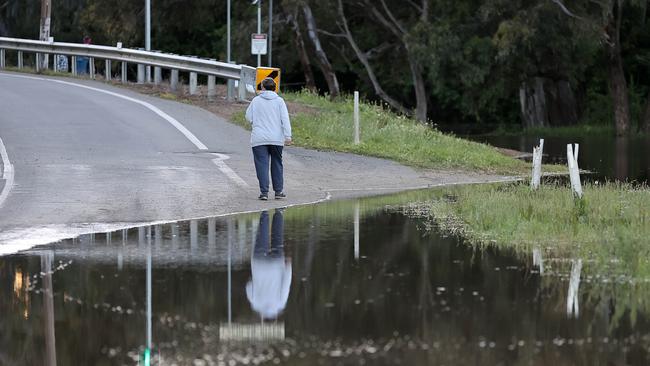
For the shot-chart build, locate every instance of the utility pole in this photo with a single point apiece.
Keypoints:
(147, 33)
(44, 34)
(259, 28)
(270, 40)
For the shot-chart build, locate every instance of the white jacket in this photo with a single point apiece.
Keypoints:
(270, 119)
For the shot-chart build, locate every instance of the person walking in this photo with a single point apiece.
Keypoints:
(269, 118)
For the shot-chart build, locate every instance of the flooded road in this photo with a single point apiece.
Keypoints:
(342, 283)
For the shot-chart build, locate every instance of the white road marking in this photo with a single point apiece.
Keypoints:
(7, 173)
(225, 169)
(179, 126)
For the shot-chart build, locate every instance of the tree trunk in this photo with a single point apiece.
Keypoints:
(532, 101)
(299, 41)
(545, 102)
(617, 83)
(44, 32)
(618, 90)
(645, 119)
(321, 56)
(419, 87)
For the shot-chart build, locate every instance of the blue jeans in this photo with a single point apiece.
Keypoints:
(262, 248)
(262, 154)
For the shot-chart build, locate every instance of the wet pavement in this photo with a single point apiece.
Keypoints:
(341, 283)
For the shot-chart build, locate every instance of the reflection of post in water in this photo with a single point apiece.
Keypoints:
(538, 260)
(48, 309)
(572, 308)
(621, 161)
(268, 289)
(147, 351)
(356, 230)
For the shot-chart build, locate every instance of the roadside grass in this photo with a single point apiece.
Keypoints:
(319, 123)
(610, 216)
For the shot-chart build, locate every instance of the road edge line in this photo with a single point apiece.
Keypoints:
(7, 173)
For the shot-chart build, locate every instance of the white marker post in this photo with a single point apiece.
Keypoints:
(574, 171)
(537, 165)
(356, 118)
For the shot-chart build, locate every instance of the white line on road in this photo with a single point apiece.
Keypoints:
(179, 126)
(225, 169)
(7, 173)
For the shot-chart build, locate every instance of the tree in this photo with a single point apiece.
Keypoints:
(401, 30)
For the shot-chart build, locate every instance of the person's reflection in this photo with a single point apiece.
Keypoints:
(268, 289)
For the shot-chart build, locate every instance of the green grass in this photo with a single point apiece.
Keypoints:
(322, 124)
(515, 216)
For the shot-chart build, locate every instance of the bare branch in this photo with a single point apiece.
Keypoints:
(416, 6)
(330, 34)
(564, 9)
(374, 52)
(392, 17)
(361, 56)
(385, 22)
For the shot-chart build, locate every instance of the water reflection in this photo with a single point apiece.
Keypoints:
(623, 158)
(291, 287)
(268, 289)
(572, 306)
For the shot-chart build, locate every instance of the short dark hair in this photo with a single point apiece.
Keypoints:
(268, 84)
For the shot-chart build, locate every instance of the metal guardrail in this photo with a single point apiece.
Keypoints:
(242, 73)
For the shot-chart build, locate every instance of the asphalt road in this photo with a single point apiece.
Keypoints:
(87, 156)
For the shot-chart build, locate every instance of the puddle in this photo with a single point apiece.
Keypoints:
(341, 283)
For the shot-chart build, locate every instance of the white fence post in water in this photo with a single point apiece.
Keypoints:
(356, 117)
(572, 306)
(574, 170)
(537, 165)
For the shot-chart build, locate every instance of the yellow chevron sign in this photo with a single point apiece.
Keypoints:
(267, 72)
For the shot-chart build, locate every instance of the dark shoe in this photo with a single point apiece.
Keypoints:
(280, 195)
(264, 196)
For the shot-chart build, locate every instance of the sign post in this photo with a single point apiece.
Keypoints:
(259, 42)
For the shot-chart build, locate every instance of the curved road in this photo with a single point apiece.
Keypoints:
(87, 156)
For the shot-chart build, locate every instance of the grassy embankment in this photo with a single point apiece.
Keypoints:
(513, 215)
(323, 124)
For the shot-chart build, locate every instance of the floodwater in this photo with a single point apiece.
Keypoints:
(342, 283)
(623, 159)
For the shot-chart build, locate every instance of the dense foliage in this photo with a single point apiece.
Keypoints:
(540, 62)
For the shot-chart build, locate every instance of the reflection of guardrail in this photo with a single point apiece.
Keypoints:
(251, 332)
(194, 65)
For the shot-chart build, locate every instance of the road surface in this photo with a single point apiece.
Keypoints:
(83, 156)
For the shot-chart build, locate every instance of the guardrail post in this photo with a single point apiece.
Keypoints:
(37, 63)
(242, 90)
(20, 59)
(73, 65)
(123, 73)
(212, 87)
(107, 70)
(2, 59)
(91, 67)
(140, 74)
(157, 75)
(173, 80)
(193, 81)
